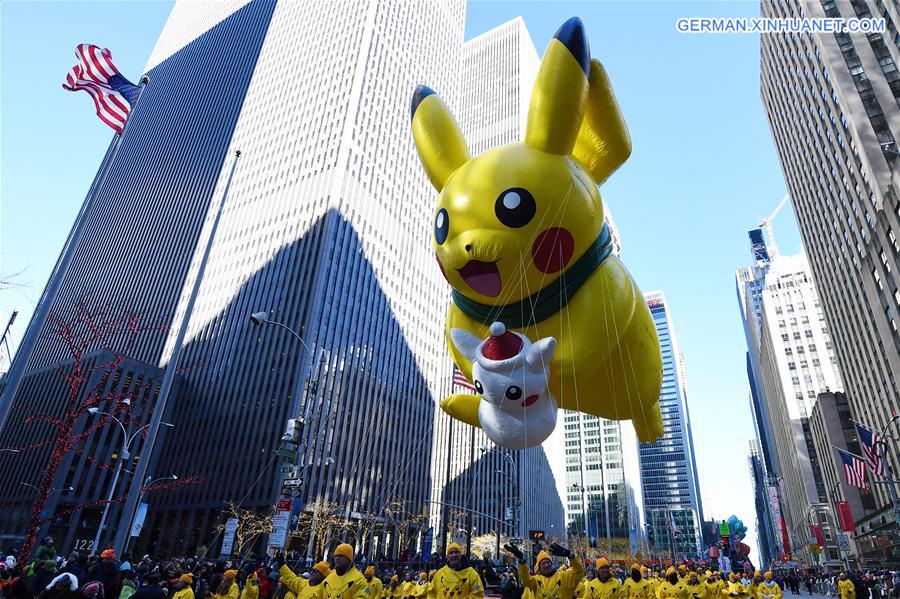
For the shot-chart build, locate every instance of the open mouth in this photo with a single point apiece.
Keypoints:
(483, 277)
(530, 400)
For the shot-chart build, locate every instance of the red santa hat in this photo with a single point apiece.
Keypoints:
(502, 344)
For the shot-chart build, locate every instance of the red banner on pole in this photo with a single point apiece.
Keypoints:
(845, 516)
(818, 535)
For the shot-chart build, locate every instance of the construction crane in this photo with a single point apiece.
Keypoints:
(766, 224)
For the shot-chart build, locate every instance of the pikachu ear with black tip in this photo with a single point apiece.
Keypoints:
(560, 91)
(439, 141)
(603, 142)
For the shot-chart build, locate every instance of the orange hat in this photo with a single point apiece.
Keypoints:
(394, 578)
(344, 550)
(454, 546)
(187, 578)
(230, 574)
(541, 557)
(769, 576)
(108, 553)
(602, 563)
(323, 568)
(370, 571)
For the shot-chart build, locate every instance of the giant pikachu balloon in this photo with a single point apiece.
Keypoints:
(519, 235)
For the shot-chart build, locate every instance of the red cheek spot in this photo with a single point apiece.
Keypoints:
(441, 266)
(553, 249)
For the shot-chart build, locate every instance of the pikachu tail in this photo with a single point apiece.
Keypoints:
(463, 407)
(648, 423)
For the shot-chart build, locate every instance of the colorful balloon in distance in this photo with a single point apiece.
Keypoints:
(737, 527)
(519, 235)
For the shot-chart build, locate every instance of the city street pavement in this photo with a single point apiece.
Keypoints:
(805, 595)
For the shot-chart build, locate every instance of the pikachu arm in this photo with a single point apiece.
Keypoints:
(463, 407)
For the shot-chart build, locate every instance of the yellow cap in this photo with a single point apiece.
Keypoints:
(602, 563)
(344, 550)
(634, 566)
(394, 578)
(230, 574)
(323, 568)
(708, 573)
(370, 571)
(423, 576)
(541, 557)
(431, 574)
(454, 546)
(670, 571)
(769, 576)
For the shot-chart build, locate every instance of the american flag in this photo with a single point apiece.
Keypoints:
(869, 442)
(459, 380)
(96, 74)
(854, 470)
(674, 525)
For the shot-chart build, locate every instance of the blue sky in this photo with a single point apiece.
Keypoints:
(703, 171)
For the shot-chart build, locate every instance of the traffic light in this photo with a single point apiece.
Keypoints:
(293, 432)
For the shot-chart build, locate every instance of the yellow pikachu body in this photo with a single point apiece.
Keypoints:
(519, 235)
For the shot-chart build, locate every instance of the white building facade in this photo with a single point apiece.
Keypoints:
(797, 362)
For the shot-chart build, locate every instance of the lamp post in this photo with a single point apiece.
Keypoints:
(260, 318)
(485, 450)
(148, 482)
(10, 450)
(123, 456)
(66, 490)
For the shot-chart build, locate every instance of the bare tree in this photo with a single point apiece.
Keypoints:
(251, 524)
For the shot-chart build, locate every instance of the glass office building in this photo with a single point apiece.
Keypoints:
(672, 504)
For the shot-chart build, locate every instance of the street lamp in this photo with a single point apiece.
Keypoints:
(123, 456)
(66, 490)
(486, 450)
(10, 450)
(260, 318)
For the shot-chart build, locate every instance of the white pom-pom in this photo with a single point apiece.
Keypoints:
(497, 329)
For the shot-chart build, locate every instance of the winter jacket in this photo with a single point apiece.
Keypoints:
(45, 553)
(456, 584)
(349, 585)
(373, 588)
(641, 589)
(186, 593)
(70, 592)
(595, 589)
(562, 584)
(695, 591)
(301, 586)
(106, 574)
(667, 590)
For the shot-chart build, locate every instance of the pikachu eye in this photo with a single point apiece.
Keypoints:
(515, 207)
(441, 226)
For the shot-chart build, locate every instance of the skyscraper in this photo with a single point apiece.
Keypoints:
(797, 362)
(604, 499)
(765, 467)
(671, 490)
(498, 71)
(831, 100)
(326, 227)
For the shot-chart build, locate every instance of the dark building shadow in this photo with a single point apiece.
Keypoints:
(368, 406)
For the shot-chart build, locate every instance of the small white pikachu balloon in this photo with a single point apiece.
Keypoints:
(510, 374)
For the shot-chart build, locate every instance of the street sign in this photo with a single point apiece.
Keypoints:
(231, 527)
(287, 469)
(288, 453)
(844, 542)
(517, 541)
(292, 482)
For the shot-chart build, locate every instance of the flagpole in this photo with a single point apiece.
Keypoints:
(159, 408)
(42, 312)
